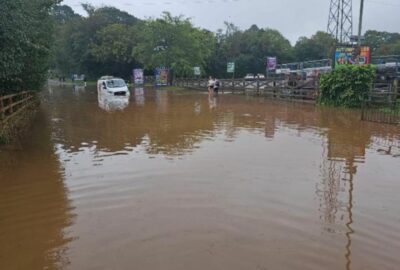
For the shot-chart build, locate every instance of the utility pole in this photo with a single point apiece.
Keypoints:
(360, 22)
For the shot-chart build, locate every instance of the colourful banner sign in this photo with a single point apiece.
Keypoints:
(352, 56)
(161, 75)
(271, 63)
(138, 76)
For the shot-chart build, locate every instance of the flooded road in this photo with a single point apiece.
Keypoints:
(178, 180)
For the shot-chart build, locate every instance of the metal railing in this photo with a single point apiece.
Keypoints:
(382, 104)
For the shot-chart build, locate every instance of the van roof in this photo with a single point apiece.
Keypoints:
(107, 78)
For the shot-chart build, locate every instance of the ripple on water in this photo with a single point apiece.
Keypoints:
(191, 183)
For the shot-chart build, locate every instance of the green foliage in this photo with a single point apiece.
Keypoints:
(248, 49)
(110, 41)
(25, 43)
(319, 46)
(63, 14)
(173, 42)
(114, 42)
(346, 86)
(98, 44)
(380, 41)
(389, 49)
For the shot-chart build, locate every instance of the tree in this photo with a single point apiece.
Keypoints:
(389, 49)
(377, 40)
(63, 14)
(173, 42)
(319, 46)
(82, 43)
(248, 49)
(25, 43)
(113, 48)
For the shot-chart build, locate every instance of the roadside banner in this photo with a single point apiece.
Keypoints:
(230, 67)
(271, 63)
(161, 75)
(352, 56)
(138, 76)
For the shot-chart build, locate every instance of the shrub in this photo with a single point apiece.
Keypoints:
(346, 86)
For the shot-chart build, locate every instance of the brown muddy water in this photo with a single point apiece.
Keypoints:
(178, 180)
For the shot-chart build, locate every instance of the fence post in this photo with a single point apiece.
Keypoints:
(1, 108)
(10, 103)
(396, 96)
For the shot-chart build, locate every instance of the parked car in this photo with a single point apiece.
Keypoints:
(260, 76)
(249, 76)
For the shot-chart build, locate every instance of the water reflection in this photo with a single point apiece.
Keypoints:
(110, 102)
(212, 101)
(139, 96)
(236, 182)
(35, 212)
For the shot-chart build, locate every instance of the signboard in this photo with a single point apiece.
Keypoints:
(230, 68)
(161, 75)
(197, 71)
(352, 56)
(77, 77)
(271, 63)
(138, 76)
(355, 38)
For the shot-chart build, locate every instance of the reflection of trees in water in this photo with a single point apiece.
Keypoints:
(328, 190)
(168, 126)
(171, 124)
(34, 209)
(345, 145)
(346, 141)
(174, 123)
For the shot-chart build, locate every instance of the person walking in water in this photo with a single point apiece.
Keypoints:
(211, 83)
(216, 86)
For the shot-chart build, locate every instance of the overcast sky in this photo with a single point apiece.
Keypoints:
(293, 18)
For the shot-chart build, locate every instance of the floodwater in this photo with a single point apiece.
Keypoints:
(178, 180)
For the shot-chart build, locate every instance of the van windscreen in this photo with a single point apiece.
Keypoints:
(115, 83)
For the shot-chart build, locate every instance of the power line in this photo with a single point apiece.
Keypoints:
(383, 3)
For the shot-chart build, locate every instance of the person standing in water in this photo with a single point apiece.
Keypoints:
(216, 86)
(211, 83)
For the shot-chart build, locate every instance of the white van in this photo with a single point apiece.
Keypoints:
(110, 102)
(113, 86)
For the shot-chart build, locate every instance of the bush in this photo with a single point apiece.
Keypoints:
(346, 86)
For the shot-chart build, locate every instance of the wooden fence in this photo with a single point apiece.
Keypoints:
(281, 88)
(13, 104)
(382, 103)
